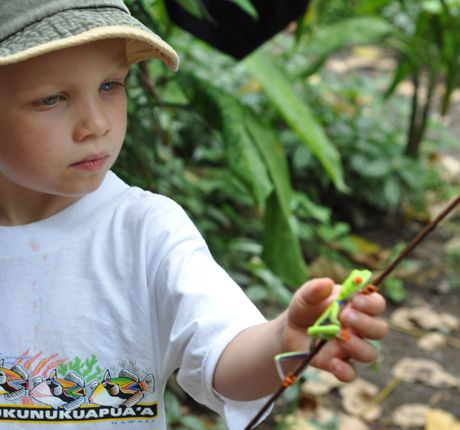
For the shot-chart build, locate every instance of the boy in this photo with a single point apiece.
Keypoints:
(108, 289)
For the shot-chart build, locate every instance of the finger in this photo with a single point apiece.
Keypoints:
(363, 324)
(334, 359)
(371, 304)
(343, 370)
(359, 350)
(316, 290)
(309, 301)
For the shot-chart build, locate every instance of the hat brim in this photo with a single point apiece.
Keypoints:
(76, 27)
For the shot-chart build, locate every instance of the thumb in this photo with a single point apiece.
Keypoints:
(309, 301)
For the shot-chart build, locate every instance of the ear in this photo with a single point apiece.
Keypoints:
(53, 374)
(107, 375)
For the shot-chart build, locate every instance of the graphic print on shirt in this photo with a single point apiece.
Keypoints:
(15, 382)
(37, 389)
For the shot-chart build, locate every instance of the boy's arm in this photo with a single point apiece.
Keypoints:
(246, 369)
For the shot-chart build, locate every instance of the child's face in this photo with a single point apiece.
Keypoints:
(62, 120)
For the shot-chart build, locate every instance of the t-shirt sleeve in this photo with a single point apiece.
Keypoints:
(200, 310)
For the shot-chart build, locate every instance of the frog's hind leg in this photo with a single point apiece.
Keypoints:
(288, 378)
(326, 331)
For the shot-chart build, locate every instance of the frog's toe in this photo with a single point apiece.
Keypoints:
(345, 334)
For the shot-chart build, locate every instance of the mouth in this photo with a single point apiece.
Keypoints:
(92, 163)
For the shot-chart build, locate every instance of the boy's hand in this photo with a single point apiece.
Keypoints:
(246, 369)
(359, 317)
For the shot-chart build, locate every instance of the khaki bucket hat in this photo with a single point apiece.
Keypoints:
(29, 28)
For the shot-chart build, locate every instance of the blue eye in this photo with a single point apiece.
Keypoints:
(50, 101)
(107, 86)
(111, 85)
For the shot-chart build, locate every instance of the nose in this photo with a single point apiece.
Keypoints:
(92, 121)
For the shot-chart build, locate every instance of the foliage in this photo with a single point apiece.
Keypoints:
(271, 155)
(367, 132)
(430, 56)
(199, 137)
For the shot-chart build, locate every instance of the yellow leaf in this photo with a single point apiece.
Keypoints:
(437, 419)
(364, 245)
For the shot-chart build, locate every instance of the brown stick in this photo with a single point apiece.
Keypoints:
(316, 348)
(410, 247)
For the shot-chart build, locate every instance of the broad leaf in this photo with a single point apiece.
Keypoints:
(297, 114)
(281, 249)
(225, 113)
(256, 157)
(281, 245)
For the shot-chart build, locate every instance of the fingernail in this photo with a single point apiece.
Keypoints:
(336, 366)
(360, 302)
(351, 317)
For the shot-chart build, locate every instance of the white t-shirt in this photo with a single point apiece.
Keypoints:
(101, 303)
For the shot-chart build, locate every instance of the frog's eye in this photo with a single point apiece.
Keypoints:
(357, 280)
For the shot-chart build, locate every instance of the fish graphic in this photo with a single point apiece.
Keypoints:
(69, 392)
(125, 390)
(15, 382)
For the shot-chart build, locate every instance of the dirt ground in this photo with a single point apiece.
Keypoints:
(431, 286)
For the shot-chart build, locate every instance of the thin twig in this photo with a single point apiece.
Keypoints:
(379, 397)
(417, 332)
(411, 246)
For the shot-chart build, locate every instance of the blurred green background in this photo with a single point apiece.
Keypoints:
(337, 126)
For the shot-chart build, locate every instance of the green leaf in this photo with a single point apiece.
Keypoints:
(247, 6)
(394, 290)
(256, 157)
(227, 114)
(281, 245)
(193, 7)
(328, 39)
(197, 9)
(281, 248)
(297, 114)
(392, 191)
(273, 155)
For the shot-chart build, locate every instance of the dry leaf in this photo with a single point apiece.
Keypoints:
(356, 395)
(451, 167)
(437, 419)
(401, 317)
(351, 423)
(294, 422)
(319, 382)
(432, 342)
(410, 415)
(325, 417)
(424, 317)
(428, 372)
